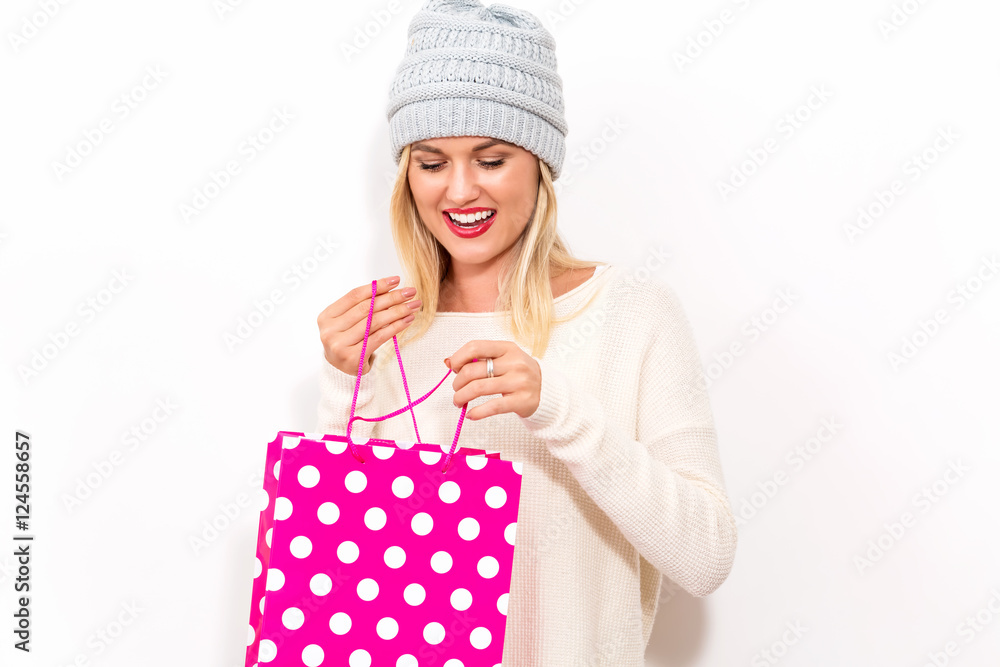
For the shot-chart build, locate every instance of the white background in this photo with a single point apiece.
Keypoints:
(650, 186)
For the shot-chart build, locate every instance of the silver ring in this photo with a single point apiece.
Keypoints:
(489, 368)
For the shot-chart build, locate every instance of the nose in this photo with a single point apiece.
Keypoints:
(462, 184)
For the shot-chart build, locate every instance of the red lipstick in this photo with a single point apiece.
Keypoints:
(468, 231)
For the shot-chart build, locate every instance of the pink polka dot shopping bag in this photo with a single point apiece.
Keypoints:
(383, 554)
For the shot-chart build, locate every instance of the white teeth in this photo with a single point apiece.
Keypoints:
(470, 219)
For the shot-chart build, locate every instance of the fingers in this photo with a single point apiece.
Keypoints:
(398, 308)
(502, 384)
(479, 349)
(361, 293)
(386, 332)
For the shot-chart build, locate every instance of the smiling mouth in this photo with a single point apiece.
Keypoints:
(470, 221)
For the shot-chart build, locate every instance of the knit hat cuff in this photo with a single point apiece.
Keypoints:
(474, 117)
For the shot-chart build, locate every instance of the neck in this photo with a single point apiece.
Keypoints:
(470, 288)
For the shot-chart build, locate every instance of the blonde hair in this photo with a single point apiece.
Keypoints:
(524, 281)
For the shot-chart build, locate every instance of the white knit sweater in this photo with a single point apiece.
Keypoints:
(621, 476)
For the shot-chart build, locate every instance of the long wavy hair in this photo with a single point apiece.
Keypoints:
(525, 291)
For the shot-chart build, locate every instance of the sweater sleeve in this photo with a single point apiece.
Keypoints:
(664, 488)
(336, 389)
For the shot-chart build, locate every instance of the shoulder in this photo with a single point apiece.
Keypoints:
(645, 304)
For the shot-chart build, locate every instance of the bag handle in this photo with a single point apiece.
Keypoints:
(410, 403)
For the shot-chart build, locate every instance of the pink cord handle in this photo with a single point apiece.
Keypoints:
(408, 406)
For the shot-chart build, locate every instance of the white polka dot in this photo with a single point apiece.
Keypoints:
(340, 623)
(461, 599)
(267, 651)
(261, 500)
(414, 594)
(251, 636)
(433, 633)
(476, 461)
(289, 442)
(328, 513)
(301, 546)
(293, 618)
(335, 446)
(468, 528)
(275, 579)
(276, 469)
(257, 567)
(355, 481)
(480, 638)
(441, 562)
(367, 589)
(267, 536)
(509, 533)
(517, 466)
(348, 552)
(308, 476)
(405, 444)
(387, 628)
(488, 567)
(262, 601)
(502, 603)
(402, 486)
(496, 497)
(282, 509)
(449, 492)
(430, 458)
(395, 557)
(312, 655)
(321, 584)
(422, 523)
(359, 658)
(454, 662)
(375, 518)
(382, 452)
(406, 660)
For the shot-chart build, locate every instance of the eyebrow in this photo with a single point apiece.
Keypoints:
(482, 146)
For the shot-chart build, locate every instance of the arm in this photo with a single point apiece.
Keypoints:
(664, 490)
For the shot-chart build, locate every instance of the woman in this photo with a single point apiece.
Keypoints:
(590, 378)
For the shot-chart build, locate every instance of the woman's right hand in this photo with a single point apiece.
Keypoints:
(342, 323)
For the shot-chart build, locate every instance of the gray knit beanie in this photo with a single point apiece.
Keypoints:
(477, 71)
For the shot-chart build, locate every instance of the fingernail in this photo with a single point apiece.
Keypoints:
(408, 292)
(393, 280)
(447, 362)
(413, 305)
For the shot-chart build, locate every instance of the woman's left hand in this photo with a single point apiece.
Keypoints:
(517, 377)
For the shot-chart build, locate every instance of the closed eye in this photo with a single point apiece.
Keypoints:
(485, 163)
